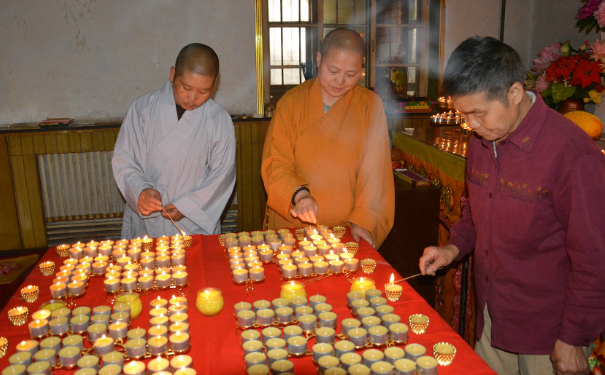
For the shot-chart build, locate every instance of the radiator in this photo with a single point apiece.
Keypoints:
(82, 201)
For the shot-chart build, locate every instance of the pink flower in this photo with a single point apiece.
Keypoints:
(588, 9)
(599, 15)
(598, 51)
(546, 57)
(541, 83)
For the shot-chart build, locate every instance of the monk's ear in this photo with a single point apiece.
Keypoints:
(318, 55)
(172, 74)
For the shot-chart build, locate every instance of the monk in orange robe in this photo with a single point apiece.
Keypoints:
(326, 156)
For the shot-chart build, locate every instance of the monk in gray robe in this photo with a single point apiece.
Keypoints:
(175, 154)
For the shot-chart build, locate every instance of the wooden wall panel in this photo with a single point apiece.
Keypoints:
(10, 236)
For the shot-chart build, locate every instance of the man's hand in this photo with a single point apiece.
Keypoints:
(306, 207)
(436, 257)
(569, 360)
(361, 233)
(174, 212)
(150, 201)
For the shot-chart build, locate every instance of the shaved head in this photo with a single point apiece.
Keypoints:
(345, 40)
(197, 58)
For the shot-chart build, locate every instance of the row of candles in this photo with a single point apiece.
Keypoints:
(275, 239)
(373, 324)
(174, 331)
(145, 279)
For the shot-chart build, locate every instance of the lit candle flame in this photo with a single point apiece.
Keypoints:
(392, 278)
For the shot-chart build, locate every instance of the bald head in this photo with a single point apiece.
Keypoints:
(345, 40)
(197, 58)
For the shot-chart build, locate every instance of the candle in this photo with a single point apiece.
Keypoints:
(59, 326)
(180, 278)
(252, 346)
(181, 361)
(20, 370)
(378, 335)
(280, 302)
(270, 333)
(274, 244)
(384, 310)
(179, 342)
(274, 355)
(242, 306)
(95, 332)
(158, 345)
(29, 346)
(75, 288)
(398, 332)
(134, 368)
(292, 289)
(372, 356)
(157, 365)
(289, 271)
(111, 369)
(322, 307)
(69, 356)
(297, 302)
(327, 362)
(370, 321)
(304, 310)
(79, 323)
(323, 249)
(113, 358)
(349, 359)
(249, 335)
(393, 354)
(358, 336)
(38, 328)
(145, 282)
(337, 266)
(48, 355)
(179, 317)
(362, 284)
(89, 361)
(136, 348)
(261, 305)
(322, 349)
(39, 368)
(426, 365)
(100, 319)
(316, 300)
(133, 301)
(209, 301)
(405, 366)
(22, 358)
(348, 324)
(246, 318)
(257, 273)
(158, 330)
(325, 335)
(389, 319)
(284, 314)
(377, 301)
(327, 319)
(163, 280)
(292, 331)
(414, 351)
(281, 367)
(308, 323)
(321, 267)
(266, 256)
(58, 290)
(157, 311)
(359, 304)
(276, 343)
(297, 345)
(363, 312)
(118, 330)
(265, 317)
(52, 342)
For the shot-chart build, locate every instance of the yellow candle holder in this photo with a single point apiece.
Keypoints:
(339, 231)
(352, 247)
(18, 315)
(3, 346)
(418, 323)
(444, 353)
(147, 243)
(209, 301)
(292, 289)
(188, 240)
(368, 265)
(361, 284)
(63, 250)
(47, 268)
(133, 300)
(300, 234)
(221, 239)
(30, 293)
(393, 291)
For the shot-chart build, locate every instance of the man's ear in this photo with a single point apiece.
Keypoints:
(172, 74)
(318, 58)
(515, 93)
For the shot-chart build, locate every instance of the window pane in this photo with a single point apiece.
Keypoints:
(291, 46)
(304, 10)
(275, 46)
(412, 11)
(329, 12)
(360, 12)
(276, 77)
(413, 46)
(292, 76)
(303, 45)
(327, 30)
(346, 14)
(274, 12)
(290, 11)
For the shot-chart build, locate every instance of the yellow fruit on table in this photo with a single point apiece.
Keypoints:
(589, 122)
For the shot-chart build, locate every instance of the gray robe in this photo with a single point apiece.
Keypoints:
(190, 161)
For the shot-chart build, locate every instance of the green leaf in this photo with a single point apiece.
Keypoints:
(530, 75)
(561, 92)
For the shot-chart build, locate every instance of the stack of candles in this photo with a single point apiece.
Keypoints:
(246, 266)
(169, 324)
(447, 118)
(268, 349)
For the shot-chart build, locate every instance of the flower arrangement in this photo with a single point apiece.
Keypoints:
(561, 72)
(591, 16)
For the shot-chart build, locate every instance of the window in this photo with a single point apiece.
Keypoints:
(396, 33)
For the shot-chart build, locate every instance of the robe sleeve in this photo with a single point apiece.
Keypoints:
(279, 176)
(204, 205)
(127, 159)
(374, 189)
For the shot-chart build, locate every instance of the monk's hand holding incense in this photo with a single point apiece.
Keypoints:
(359, 233)
(150, 201)
(305, 208)
(436, 257)
(173, 212)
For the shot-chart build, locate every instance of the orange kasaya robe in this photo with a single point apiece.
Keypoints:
(342, 156)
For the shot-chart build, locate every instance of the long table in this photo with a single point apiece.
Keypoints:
(215, 341)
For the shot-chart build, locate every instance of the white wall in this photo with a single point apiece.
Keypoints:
(90, 59)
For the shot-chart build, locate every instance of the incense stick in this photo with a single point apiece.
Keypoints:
(411, 277)
(177, 227)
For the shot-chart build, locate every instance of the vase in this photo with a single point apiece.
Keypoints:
(570, 105)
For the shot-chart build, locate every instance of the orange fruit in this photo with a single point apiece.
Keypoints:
(589, 122)
(396, 154)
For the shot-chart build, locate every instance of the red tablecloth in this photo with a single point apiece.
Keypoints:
(215, 344)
